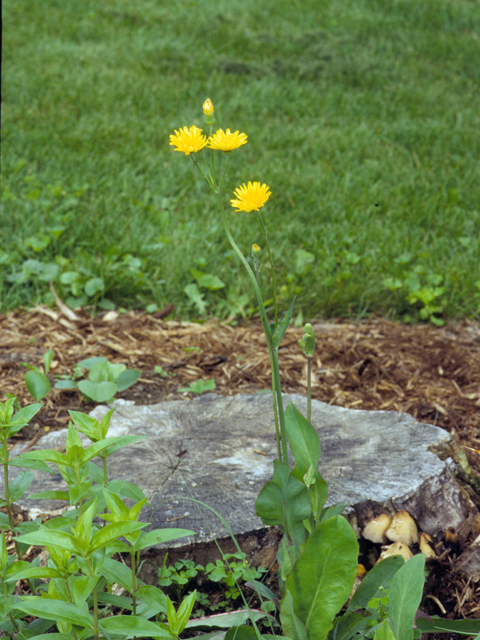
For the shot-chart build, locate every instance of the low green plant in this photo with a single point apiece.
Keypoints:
(199, 387)
(74, 590)
(179, 575)
(231, 571)
(104, 381)
(36, 380)
(424, 293)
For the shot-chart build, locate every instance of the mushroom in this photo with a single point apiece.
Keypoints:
(403, 529)
(375, 529)
(398, 548)
(425, 543)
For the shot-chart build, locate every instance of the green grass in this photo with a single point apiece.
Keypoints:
(362, 115)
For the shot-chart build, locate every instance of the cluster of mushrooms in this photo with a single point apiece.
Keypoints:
(401, 531)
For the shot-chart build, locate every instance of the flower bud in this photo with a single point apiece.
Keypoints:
(208, 111)
(256, 251)
(307, 343)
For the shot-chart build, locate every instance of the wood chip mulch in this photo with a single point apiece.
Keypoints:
(429, 372)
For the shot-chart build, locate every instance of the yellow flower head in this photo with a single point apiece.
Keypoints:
(188, 140)
(251, 197)
(208, 107)
(226, 140)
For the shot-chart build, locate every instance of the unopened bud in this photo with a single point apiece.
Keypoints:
(208, 110)
(307, 343)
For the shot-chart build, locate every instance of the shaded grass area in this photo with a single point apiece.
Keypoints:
(362, 118)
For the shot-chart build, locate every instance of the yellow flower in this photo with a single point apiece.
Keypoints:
(188, 140)
(226, 140)
(251, 197)
(208, 107)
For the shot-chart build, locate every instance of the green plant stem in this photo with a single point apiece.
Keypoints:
(274, 279)
(273, 353)
(309, 389)
(134, 581)
(7, 490)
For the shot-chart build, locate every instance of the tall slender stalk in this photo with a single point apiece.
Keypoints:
(272, 352)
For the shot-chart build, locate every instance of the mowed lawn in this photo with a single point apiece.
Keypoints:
(362, 116)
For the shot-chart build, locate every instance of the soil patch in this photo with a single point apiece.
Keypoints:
(432, 373)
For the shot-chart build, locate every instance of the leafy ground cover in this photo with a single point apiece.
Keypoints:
(363, 114)
(430, 372)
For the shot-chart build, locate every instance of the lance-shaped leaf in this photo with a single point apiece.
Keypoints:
(23, 417)
(303, 440)
(112, 444)
(323, 576)
(282, 326)
(405, 597)
(379, 576)
(47, 537)
(52, 609)
(133, 626)
(113, 531)
(159, 536)
(20, 484)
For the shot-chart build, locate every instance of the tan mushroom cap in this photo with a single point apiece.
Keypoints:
(398, 548)
(425, 543)
(403, 529)
(375, 529)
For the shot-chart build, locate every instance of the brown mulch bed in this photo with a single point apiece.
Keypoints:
(432, 373)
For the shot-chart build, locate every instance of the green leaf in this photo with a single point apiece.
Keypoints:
(49, 495)
(405, 596)
(323, 576)
(34, 572)
(20, 484)
(52, 609)
(127, 378)
(210, 282)
(133, 625)
(282, 326)
(47, 537)
(379, 576)
(93, 286)
(292, 626)
(440, 625)
(47, 359)
(65, 384)
(113, 531)
(38, 384)
(49, 455)
(83, 587)
(193, 293)
(263, 591)
(384, 632)
(24, 416)
(89, 363)
(183, 613)
(303, 440)
(118, 572)
(98, 391)
(227, 620)
(153, 597)
(284, 501)
(242, 632)
(112, 444)
(38, 465)
(159, 536)
(348, 625)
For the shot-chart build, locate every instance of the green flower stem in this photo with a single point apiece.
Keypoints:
(309, 389)
(273, 353)
(7, 490)
(134, 581)
(274, 279)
